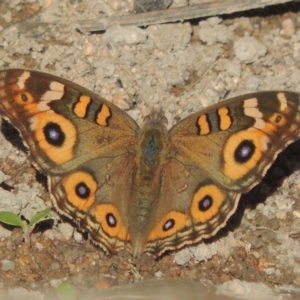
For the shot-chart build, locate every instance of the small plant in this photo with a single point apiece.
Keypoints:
(67, 291)
(13, 219)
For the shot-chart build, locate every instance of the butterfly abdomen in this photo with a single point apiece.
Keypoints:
(151, 155)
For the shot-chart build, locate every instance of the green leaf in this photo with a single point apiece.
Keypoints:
(10, 218)
(67, 291)
(38, 217)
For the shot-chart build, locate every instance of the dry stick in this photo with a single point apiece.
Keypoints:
(210, 8)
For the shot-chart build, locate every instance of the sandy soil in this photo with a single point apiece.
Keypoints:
(250, 51)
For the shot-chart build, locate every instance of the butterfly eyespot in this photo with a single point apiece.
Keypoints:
(244, 151)
(24, 98)
(205, 203)
(169, 225)
(82, 190)
(54, 134)
(278, 118)
(111, 220)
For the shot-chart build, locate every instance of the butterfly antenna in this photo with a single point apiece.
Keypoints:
(201, 77)
(128, 77)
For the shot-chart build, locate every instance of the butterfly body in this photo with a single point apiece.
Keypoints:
(145, 189)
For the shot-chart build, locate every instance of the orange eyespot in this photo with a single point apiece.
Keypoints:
(80, 188)
(170, 224)
(206, 202)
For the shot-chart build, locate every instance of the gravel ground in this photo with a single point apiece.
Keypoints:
(159, 67)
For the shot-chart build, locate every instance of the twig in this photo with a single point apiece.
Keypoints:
(210, 8)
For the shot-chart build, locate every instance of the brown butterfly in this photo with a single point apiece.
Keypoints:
(146, 189)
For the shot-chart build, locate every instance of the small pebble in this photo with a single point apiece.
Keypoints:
(288, 27)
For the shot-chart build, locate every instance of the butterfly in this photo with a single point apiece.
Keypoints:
(145, 189)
